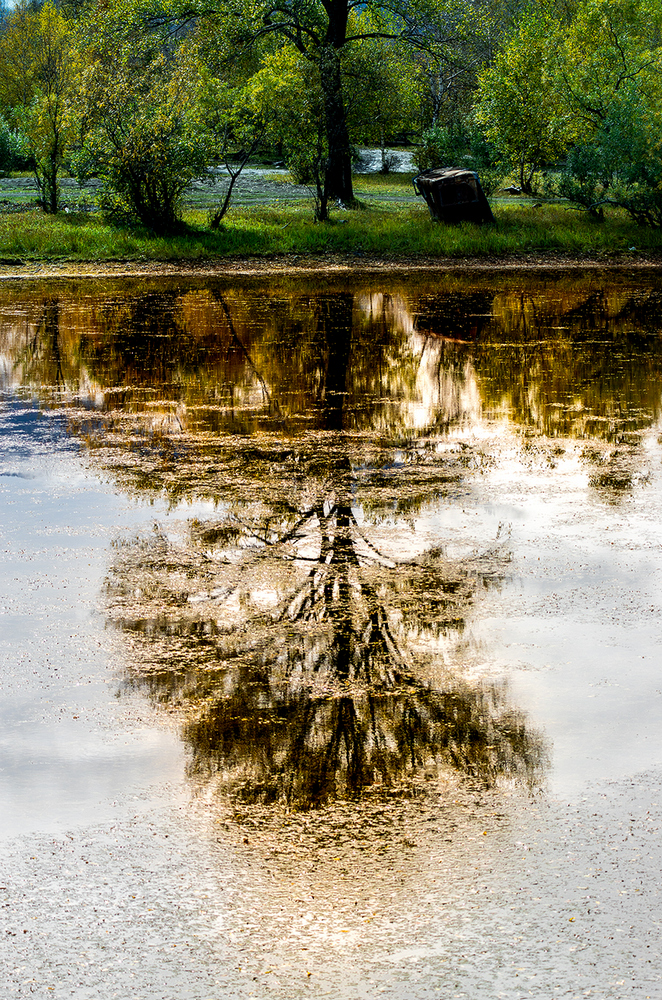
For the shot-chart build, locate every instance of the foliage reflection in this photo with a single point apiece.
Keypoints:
(310, 663)
(563, 357)
(307, 636)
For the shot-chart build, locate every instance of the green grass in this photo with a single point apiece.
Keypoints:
(389, 229)
(387, 184)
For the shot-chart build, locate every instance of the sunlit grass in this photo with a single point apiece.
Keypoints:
(33, 235)
(389, 230)
(389, 184)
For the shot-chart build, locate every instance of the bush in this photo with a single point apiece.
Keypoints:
(144, 141)
(461, 145)
(620, 166)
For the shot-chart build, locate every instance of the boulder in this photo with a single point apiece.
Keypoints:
(453, 195)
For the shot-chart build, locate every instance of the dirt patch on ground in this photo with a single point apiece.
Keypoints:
(333, 263)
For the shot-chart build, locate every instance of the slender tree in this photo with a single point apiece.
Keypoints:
(39, 69)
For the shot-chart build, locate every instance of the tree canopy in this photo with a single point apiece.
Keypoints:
(39, 73)
(151, 96)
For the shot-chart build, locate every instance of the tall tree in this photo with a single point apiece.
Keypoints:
(38, 72)
(323, 32)
(326, 31)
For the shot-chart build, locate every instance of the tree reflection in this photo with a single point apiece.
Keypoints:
(309, 661)
(41, 357)
(314, 660)
(310, 652)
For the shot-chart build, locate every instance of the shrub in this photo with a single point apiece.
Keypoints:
(621, 165)
(144, 140)
(461, 145)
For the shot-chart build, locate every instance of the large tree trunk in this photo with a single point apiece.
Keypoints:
(334, 328)
(338, 179)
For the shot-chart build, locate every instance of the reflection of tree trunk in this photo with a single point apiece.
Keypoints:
(350, 730)
(344, 556)
(50, 323)
(362, 646)
(335, 323)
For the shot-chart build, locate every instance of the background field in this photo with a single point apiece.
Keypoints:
(270, 214)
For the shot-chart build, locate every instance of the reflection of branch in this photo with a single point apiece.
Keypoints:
(49, 325)
(243, 349)
(289, 536)
(294, 534)
(385, 561)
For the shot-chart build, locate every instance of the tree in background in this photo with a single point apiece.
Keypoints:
(379, 80)
(620, 166)
(286, 96)
(235, 133)
(609, 46)
(462, 145)
(587, 87)
(609, 74)
(143, 134)
(39, 70)
(519, 105)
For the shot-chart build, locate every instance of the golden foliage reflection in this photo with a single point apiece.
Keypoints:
(311, 642)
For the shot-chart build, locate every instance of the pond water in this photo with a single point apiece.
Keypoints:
(330, 645)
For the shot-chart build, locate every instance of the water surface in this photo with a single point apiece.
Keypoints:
(360, 563)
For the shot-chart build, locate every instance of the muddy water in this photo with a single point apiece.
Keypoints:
(330, 637)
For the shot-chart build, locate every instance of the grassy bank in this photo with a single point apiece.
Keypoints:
(385, 226)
